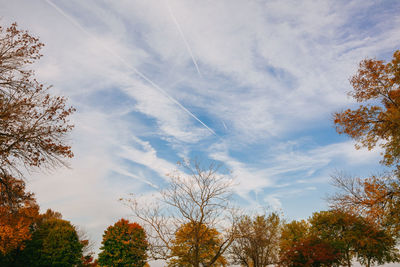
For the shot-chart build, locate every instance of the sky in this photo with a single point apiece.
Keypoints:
(250, 84)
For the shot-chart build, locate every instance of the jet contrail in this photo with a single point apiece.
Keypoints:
(183, 38)
(144, 77)
(129, 174)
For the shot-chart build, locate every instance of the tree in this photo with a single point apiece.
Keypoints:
(299, 246)
(257, 242)
(353, 236)
(54, 242)
(18, 211)
(33, 124)
(293, 232)
(338, 228)
(376, 198)
(198, 197)
(87, 259)
(310, 251)
(182, 252)
(377, 86)
(376, 247)
(124, 244)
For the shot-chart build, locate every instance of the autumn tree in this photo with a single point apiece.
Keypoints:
(310, 251)
(257, 242)
(197, 196)
(354, 237)
(375, 121)
(33, 127)
(185, 246)
(33, 123)
(18, 212)
(300, 246)
(376, 198)
(376, 247)
(88, 254)
(377, 86)
(124, 244)
(293, 232)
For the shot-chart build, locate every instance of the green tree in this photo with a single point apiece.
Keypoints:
(124, 244)
(257, 242)
(354, 237)
(54, 242)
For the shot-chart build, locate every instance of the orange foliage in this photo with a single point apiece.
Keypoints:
(18, 211)
(32, 122)
(375, 198)
(196, 244)
(379, 119)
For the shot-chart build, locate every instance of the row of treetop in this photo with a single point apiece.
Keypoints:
(193, 221)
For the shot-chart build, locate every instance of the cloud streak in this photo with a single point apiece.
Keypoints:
(171, 13)
(127, 65)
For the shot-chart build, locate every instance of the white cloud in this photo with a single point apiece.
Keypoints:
(271, 70)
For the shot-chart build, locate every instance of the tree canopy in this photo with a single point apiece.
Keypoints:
(54, 242)
(196, 243)
(257, 241)
(377, 86)
(33, 123)
(18, 211)
(124, 244)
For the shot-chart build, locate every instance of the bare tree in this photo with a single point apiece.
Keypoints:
(195, 196)
(257, 242)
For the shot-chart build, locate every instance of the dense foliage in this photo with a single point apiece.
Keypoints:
(54, 242)
(18, 211)
(124, 244)
(187, 251)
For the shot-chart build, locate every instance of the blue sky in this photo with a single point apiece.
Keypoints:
(252, 84)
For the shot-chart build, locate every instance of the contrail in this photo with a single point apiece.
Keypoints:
(144, 77)
(223, 123)
(183, 38)
(129, 174)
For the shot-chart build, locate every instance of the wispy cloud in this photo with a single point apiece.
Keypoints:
(129, 66)
(272, 72)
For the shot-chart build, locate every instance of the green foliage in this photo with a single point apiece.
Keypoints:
(354, 237)
(55, 242)
(336, 238)
(124, 244)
